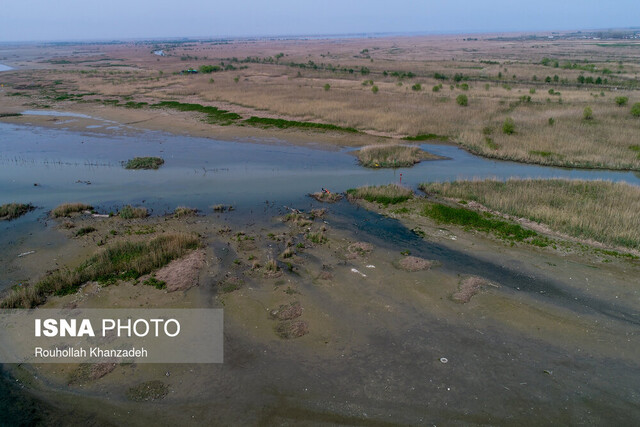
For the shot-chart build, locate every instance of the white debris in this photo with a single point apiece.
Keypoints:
(353, 270)
(371, 266)
(26, 253)
(100, 216)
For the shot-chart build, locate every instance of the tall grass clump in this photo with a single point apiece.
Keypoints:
(285, 124)
(66, 209)
(129, 212)
(144, 163)
(11, 211)
(121, 261)
(391, 156)
(598, 210)
(182, 211)
(390, 194)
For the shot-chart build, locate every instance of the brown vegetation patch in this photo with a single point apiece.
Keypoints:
(90, 372)
(287, 311)
(289, 329)
(414, 263)
(182, 274)
(230, 284)
(468, 288)
(358, 249)
(67, 209)
(323, 196)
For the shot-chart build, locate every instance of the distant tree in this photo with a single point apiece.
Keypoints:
(621, 100)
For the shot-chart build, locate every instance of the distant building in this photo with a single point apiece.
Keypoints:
(159, 52)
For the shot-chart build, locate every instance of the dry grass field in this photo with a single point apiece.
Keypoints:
(393, 87)
(601, 211)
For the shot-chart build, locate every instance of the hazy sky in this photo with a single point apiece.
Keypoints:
(117, 19)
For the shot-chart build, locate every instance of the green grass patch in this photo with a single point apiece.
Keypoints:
(158, 284)
(135, 105)
(85, 230)
(390, 194)
(473, 220)
(121, 261)
(144, 163)
(11, 211)
(426, 137)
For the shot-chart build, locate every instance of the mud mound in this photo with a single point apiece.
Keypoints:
(358, 249)
(414, 263)
(90, 372)
(325, 275)
(292, 329)
(287, 311)
(468, 288)
(181, 274)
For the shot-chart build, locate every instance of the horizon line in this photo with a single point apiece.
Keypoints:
(355, 35)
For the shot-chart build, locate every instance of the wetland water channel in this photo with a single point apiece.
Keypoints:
(258, 179)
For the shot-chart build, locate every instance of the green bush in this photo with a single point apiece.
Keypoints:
(327, 86)
(417, 87)
(509, 126)
(587, 113)
(635, 110)
(621, 100)
(374, 89)
(462, 100)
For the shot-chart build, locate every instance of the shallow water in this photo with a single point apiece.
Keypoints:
(201, 172)
(5, 67)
